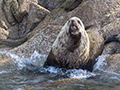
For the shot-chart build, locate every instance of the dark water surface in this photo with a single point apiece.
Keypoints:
(28, 74)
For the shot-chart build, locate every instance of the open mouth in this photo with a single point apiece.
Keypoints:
(73, 28)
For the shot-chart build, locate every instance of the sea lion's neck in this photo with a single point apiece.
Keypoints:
(75, 38)
(75, 42)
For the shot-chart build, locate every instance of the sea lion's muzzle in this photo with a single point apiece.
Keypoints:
(73, 29)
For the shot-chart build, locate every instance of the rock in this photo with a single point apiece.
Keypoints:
(113, 38)
(113, 63)
(7, 11)
(5, 61)
(70, 4)
(16, 11)
(41, 42)
(118, 37)
(22, 27)
(36, 14)
(3, 33)
(13, 32)
(2, 14)
(24, 5)
(3, 25)
(20, 8)
(112, 45)
(9, 44)
(50, 4)
(56, 84)
(111, 48)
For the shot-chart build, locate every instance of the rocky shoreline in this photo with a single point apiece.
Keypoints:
(29, 25)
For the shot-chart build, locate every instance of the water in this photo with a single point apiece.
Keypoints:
(21, 73)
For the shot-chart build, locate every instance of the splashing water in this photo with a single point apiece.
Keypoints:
(36, 62)
(100, 62)
(31, 71)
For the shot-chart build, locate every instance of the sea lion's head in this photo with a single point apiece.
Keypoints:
(75, 26)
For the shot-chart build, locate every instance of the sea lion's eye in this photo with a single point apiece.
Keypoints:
(78, 21)
(68, 21)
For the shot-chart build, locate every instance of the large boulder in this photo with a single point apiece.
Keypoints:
(36, 14)
(50, 4)
(65, 4)
(40, 42)
(113, 63)
(111, 48)
(112, 45)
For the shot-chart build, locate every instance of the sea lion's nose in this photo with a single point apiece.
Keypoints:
(72, 21)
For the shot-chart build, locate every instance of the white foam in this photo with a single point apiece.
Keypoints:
(72, 73)
(80, 74)
(100, 62)
(3, 51)
(38, 59)
(52, 69)
(3, 71)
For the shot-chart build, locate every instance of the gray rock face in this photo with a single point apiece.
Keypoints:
(35, 16)
(113, 63)
(111, 48)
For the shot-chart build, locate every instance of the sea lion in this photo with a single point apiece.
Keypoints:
(71, 48)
